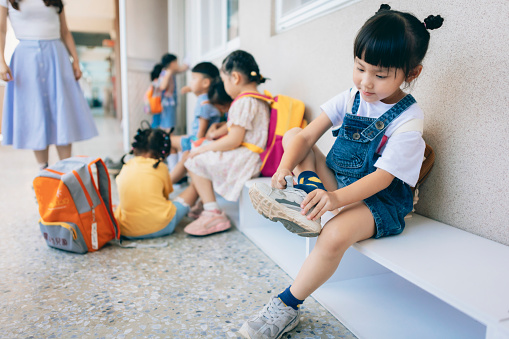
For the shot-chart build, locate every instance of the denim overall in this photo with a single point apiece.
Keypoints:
(353, 156)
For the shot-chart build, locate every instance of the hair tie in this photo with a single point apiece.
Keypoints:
(253, 73)
(425, 25)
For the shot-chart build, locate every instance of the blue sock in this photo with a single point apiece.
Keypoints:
(289, 300)
(309, 181)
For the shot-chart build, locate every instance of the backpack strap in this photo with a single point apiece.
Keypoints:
(265, 97)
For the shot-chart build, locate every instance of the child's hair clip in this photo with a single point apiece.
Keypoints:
(253, 73)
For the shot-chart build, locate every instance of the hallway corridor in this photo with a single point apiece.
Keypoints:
(194, 288)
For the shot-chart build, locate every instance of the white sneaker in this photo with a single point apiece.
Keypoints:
(274, 320)
(284, 206)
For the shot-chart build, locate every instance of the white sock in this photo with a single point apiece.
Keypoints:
(181, 201)
(211, 206)
(172, 161)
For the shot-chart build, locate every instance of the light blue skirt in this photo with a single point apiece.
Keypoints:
(44, 104)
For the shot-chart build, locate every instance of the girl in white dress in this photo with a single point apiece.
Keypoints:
(227, 163)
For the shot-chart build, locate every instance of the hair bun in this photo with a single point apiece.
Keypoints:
(433, 22)
(383, 7)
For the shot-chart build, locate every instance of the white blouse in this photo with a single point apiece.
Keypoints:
(34, 20)
(402, 155)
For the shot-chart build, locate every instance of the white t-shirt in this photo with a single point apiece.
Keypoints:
(34, 20)
(402, 154)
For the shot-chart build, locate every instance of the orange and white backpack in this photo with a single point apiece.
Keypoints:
(74, 197)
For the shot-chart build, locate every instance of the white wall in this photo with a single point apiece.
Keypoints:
(462, 90)
(147, 41)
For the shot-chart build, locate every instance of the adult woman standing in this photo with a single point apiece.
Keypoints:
(43, 102)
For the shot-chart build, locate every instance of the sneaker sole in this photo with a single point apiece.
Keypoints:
(243, 330)
(292, 220)
(212, 233)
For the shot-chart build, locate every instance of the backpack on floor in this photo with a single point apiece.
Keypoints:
(285, 114)
(74, 198)
(152, 103)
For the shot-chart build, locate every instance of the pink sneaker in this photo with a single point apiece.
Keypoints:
(209, 222)
(196, 210)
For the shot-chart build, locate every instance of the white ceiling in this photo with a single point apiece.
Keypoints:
(93, 16)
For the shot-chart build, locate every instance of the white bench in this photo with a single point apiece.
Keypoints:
(432, 281)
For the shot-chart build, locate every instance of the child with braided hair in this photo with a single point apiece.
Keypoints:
(144, 185)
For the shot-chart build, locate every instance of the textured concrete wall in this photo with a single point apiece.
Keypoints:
(463, 92)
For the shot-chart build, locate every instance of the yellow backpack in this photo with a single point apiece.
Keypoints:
(285, 114)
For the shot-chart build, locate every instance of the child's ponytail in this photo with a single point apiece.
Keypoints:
(393, 39)
(244, 63)
(433, 22)
(155, 141)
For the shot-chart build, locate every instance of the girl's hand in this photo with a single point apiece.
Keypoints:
(322, 201)
(198, 151)
(76, 70)
(5, 72)
(278, 179)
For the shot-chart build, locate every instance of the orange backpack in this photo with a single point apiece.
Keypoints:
(285, 114)
(75, 208)
(152, 101)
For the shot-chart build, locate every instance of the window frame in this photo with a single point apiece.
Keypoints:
(226, 45)
(306, 12)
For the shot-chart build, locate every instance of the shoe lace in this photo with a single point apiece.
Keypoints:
(270, 312)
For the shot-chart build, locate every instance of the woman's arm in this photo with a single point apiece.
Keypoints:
(231, 141)
(5, 71)
(69, 44)
(299, 148)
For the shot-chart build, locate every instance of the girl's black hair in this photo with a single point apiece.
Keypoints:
(155, 72)
(167, 59)
(217, 95)
(394, 39)
(56, 3)
(243, 62)
(153, 140)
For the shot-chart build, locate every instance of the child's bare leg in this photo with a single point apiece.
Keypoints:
(204, 188)
(314, 162)
(189, 195)
(179, 171)
(354, 223)
(64, 151)
(175, 143)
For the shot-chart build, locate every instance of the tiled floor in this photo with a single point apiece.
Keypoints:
(194, 288)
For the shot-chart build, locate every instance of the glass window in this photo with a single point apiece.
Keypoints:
(219, 25)
(290, 13)
(233, 19)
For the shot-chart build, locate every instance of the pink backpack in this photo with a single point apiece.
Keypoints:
(285, 114)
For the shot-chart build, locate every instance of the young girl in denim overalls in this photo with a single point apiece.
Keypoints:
(368, 173)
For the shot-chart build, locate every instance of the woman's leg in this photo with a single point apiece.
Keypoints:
(64, 151)
(314, 162)
(354, 223)
(42, 158)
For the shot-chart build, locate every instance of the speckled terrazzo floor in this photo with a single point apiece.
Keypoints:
(194, 288)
